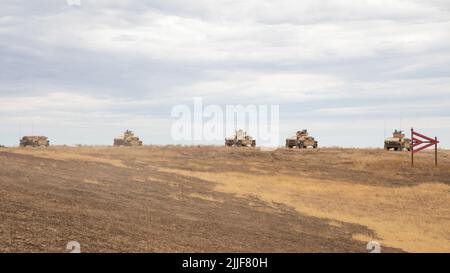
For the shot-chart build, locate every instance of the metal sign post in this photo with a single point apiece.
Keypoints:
(435, 150)
(419, 139)
(412, 147)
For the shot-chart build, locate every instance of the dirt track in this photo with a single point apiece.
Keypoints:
(206, 199)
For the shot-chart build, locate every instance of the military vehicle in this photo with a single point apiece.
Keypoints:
(240, 139)
(398, 142)
(34, 141)
(127, 139)
(301, 140)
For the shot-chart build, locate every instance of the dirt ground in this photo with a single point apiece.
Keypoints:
(217, 199)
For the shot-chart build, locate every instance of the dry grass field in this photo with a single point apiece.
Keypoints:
(214, 199)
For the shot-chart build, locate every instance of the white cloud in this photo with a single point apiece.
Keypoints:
(326, 60)
(267, 87)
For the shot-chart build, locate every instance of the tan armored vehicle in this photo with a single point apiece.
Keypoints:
(240, 139)
(127, 139)
(301, 140)
(34, 141)
(398, 142)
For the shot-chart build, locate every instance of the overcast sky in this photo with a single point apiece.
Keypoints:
(350, 71)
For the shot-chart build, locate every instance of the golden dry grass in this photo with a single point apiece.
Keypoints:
(414, 218)
(411, 218)
(407, 208)
(68, 155)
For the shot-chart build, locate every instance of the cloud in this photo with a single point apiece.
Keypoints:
(133, 60)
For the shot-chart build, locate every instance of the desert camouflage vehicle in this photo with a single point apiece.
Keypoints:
(127, 139)
(240, 139)
(398, 142)
(301, 140)
(34, 141)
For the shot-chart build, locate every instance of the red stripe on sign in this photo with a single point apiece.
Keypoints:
(423, 147)
(424, 137)
(416, 142)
